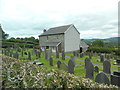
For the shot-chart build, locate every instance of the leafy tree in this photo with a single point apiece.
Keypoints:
(3, 34)
(98, 43)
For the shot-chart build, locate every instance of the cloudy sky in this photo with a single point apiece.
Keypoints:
(93, 18)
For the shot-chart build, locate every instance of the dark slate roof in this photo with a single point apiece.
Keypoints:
(56, 30)
(83, 44)
(50, 43)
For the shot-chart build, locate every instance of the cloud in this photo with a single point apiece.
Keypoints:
(30, 17)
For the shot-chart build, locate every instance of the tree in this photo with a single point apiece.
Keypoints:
(3, 34)
(98, 43)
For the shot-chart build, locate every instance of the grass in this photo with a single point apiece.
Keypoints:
(94, 60)
(78, 71)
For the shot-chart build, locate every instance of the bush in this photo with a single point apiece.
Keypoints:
(102, 49)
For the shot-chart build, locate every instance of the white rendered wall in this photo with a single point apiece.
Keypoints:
(72, 39)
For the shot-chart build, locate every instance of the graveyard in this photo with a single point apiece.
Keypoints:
(93, 66)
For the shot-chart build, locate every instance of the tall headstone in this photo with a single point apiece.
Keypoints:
(71, 66)
(29, 55)
(57, 54)
(102, 78)
(90, 70)
(22, 53)
(38, 54)
(81, 55)
(17, 55)
(58, 64)
(11, 53)
(107, 67)
(51, 61)
(90, 56)
(63, 55)
(48, 52)
(101, 58)
(87, 60)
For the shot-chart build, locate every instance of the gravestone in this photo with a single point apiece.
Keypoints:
(29, 55)
(86, 62)
(102, 78)
(81, 55)
(46, 57)
(107, 57)
(90, 56)
(71, 66)
(17, 55)
(38, 54)
(96, 69)
(101, 58)
(107, 67)
(58, 64)
(48, 52)
(57, 54)
(5, 52)
(115, 80)
(64, 66)
(63, 55)
(73, 53)
(22, 53)
(11, 53)
(51, 61)
(90, 70)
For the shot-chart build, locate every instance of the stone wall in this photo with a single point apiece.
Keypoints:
(52, 38)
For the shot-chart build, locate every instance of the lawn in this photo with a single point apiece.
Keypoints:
(78, 70)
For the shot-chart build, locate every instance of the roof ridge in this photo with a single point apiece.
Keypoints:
(62, 26)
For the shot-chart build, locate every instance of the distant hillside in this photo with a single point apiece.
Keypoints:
(112, 41)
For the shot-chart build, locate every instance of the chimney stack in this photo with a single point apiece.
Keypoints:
(44, 30)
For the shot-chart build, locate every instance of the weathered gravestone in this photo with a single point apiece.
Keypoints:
(81, 55)
(86, 62)
(11, 53)
(63, 55)
(22, 52)
(64, 66)
(101, 58)
(51, 61)
(115, 80)
(48, 52)
(57, 54)
(90, 56)
(58, 64)
(5, 52)
(96, 69)
(16, 55)
(38, 54)
(102, 78)
(107, 67)
(29, 55)
(71, 66)
(90, 70)
(107, 57)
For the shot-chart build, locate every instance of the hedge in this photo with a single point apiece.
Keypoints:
(25, 75)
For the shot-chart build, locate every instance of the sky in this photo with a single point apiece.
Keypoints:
(92, 18)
